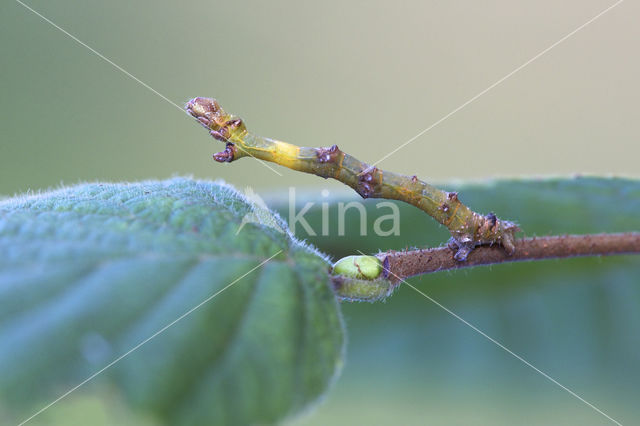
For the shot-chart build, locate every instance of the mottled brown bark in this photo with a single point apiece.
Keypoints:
(403, 264)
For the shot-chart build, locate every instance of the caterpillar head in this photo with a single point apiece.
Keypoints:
(221, 126)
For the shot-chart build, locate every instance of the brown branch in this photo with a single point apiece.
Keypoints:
(403, 264)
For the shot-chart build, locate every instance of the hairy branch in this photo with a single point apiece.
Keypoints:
(403, 264)
(468, 228)
(370, 278)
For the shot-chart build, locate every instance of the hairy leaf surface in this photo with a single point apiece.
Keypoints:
(89, 272)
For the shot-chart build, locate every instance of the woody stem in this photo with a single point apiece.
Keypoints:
(399, 265)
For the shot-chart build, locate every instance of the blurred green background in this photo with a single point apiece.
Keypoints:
(368, 76)
(411, 362)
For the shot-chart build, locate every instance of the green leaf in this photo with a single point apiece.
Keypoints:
(91, 271)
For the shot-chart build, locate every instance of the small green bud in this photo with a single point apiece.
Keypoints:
(356, 290)
(360, 267)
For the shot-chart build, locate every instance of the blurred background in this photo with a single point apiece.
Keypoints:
(368, 76)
